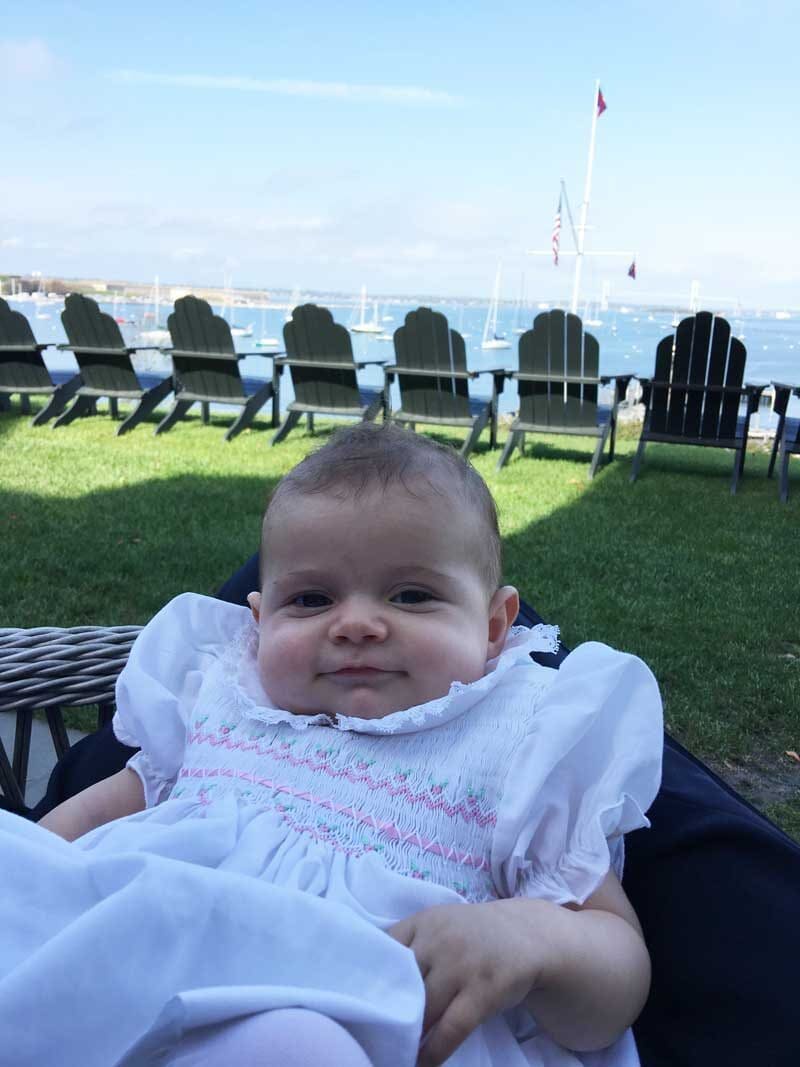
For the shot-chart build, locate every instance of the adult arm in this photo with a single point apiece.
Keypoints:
(582, 971)
(121, 794)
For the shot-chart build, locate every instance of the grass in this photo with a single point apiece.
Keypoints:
(100, 529)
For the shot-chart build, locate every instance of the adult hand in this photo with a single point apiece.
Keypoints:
(476, 960)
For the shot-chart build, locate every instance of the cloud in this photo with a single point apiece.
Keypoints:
(11, 242)
(186, 255)
(292, 224)
(421, 252)
(31, 60)
(382, 94)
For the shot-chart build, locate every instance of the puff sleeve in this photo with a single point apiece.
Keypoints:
(585, 774)
(159, 685)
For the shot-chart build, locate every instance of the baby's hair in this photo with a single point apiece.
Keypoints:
(365, 456)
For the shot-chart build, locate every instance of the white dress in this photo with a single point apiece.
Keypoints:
(275, 849)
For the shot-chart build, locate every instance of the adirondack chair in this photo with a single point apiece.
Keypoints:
(558, 384)
(206, 366)
(105, 365)
(319, 355)
(787, 436)
(695, 393)
(23, 370)
(431, 370)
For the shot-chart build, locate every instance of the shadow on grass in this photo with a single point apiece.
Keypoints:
(115, 556)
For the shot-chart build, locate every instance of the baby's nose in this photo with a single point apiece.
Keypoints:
(359, 619)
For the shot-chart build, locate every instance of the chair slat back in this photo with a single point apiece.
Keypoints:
(204, 355)
(22, 367)
(557, 348)
(14, 327)
(88, 328)
(425, 341)
(311, 334)
(701, 352)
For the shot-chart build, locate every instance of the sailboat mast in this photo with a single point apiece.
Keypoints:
(363, 304)
(587, 189)
(495, 300)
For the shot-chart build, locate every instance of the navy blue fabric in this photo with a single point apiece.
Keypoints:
(716, 887)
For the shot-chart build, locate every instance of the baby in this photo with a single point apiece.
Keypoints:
(375, 754)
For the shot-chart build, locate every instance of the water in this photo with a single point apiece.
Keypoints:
(627, 339)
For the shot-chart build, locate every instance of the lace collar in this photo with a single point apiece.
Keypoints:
(241, 676)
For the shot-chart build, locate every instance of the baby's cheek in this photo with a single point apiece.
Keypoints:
(281, 662)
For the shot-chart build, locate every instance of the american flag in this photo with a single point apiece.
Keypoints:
(601, 104)
(556, 232)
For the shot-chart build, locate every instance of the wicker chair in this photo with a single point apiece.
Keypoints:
(47, 670)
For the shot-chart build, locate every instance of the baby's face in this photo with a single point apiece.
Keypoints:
(373, 604)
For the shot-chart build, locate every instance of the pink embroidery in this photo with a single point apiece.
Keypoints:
(388, 829)
(396, 786)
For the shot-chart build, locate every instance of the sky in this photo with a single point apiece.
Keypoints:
(409, 147)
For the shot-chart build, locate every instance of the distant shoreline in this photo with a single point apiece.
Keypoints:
(136, 291)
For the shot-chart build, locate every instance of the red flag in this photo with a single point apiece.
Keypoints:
(632, 270)
(556, 232)
(601, 104)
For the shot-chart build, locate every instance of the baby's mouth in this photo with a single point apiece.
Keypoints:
(354, 672)
(354, 669)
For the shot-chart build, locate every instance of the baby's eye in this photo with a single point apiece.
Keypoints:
(311, 600)
(412, 596)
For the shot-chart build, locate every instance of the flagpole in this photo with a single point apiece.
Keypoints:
(576, 285)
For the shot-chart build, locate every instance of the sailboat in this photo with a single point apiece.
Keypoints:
(363, 326)
(491, 338)
(158, 335)
(294, 300)
(264, 341)
(520, 311)
(589, 315)
(236, 331)
(242, 331)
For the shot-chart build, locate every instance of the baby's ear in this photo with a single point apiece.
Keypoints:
(254, 600)
(503, 609)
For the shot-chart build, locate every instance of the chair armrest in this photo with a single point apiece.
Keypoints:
(647, 390)
(626, 377)
(783, 391)
(24, 347)
(570, 379)
(70, 667)
(270, 355)
(791, 386)
(499, 375)
(621, 383)
(754, 396)
(98, 351)
(445, 372)
(287, 361)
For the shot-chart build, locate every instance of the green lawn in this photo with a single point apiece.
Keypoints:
(702, 585)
